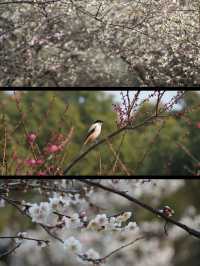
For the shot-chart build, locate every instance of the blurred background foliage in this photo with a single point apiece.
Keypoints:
(169, 148)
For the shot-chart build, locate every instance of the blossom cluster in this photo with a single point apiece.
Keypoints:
(99, 223)
(40, 162)
(59, 206)
(102, 222)
(57, 213)
(40, 213)
(73, 245)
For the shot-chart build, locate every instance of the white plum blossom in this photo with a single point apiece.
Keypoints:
(67, 222)
(71, 244)
(56, 203)
(75, 221)
(124, 217)
(75, 199)
(72, 222)
(39, 213)
(22, 234)
(102, 222)
(113, 224)
(60, 203)
(131, 226)
(92, 254)
(93, 225)
(101, 219)
(99, 222)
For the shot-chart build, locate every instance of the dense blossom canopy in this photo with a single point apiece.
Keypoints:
(103, 43)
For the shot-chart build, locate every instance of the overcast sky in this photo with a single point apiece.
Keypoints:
(168, 95)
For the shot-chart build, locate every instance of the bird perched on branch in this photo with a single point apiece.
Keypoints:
(93, 132)
(167, 211)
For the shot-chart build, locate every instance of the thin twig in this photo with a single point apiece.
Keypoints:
(103, 259)
(122, 247)
(4, 169)
(117, 160)
(10, 251)
(23, 122)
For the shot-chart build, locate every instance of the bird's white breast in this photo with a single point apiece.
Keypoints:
(97, 131)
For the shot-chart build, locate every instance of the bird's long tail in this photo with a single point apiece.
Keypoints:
(85, 142)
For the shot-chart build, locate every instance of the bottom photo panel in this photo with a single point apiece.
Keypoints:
(113, 222)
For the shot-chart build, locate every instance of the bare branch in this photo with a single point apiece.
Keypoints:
(25, 238)
(188, 229)
(117, 132)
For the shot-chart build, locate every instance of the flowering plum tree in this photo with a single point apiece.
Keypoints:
(31, 147)
(102, 43)
(77, 222)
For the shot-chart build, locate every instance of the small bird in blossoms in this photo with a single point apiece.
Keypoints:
(167, 211)
(93, 132)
